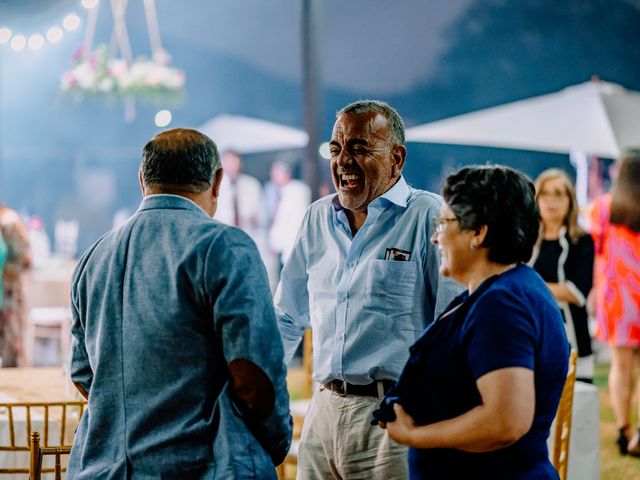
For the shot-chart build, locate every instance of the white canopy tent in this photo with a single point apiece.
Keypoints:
(252, 135)
(592, 118)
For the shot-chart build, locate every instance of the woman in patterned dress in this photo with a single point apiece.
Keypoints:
(615, 228)
(16, 237)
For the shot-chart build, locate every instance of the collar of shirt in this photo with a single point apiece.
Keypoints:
(168, 200)
(396, 195)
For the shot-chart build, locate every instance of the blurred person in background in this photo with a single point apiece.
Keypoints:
(615, 227)
(292, 199)
(39, 242)
(241, 201)
(16, 237)
(563, 256)
(482, 385)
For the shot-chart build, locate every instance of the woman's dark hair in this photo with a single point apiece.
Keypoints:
(625, 193)
(501, 198)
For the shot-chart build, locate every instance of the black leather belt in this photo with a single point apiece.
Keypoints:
(371, 390)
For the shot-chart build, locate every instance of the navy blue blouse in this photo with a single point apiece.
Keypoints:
(510, 320)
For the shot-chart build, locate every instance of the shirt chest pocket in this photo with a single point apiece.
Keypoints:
(391, 285)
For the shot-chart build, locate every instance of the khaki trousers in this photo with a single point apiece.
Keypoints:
(339, 442)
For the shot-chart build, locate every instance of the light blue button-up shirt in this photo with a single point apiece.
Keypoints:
(160, 307)
(367, 296)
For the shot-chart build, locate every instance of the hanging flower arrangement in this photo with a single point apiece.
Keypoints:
(99, 73)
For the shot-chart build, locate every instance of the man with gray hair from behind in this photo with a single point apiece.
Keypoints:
(172, 318)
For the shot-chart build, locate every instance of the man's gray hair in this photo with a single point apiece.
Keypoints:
(394, 120)
(180, 159)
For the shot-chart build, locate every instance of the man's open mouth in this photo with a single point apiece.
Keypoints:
(349, 180)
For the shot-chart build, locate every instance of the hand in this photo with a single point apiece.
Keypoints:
(401, 429)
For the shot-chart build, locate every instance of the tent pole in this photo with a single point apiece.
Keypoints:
(312, 89)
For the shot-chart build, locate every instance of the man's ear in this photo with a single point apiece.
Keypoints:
(398, 156)
(217, 180)
(142, 189)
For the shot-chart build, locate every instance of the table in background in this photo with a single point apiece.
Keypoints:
(33, 385)
(584, 445)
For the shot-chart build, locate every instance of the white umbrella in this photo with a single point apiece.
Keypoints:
(596, 118)
(251, 135)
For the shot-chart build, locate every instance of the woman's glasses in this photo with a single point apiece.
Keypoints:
(555, 194)
(439, 223)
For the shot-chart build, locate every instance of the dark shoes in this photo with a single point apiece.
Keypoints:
(623, 440)
(633, 447)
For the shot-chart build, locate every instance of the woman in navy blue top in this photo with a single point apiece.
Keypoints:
(482, 384)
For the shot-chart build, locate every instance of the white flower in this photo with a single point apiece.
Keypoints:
(85, 75)
(106, 85)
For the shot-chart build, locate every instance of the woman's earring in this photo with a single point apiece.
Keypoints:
(473, 245)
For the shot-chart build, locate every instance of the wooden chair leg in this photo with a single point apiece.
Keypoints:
(34, 448)
(58, 467)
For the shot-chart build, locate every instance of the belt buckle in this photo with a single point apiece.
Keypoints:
(338, 388)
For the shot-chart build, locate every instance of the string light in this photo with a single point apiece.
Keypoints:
(5, 34)
(36, 40)
(54, 34)
(18, 42)
(71, 22)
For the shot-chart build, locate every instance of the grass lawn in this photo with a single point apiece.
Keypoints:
(614, 466)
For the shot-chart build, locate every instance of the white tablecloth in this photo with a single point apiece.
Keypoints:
(21, 459)
(584, 445)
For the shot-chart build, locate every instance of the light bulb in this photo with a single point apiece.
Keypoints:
(5, 34)
(163, 118)
(36, 41)
(18, 42)
(71, 22)
(54, 34)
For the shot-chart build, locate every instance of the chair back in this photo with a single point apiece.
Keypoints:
(287, 469)
(307, 362)
(57, 421)
(562, 431)
(37, 452)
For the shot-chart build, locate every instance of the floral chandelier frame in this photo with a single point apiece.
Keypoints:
(103, 72)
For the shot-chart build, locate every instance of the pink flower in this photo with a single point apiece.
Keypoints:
(78, 53)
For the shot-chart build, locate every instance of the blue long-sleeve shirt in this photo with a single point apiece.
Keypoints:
(367, 296)
(160, 307)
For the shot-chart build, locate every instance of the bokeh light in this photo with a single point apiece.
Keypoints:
(163, 118)
(71, 22)
(54, 34)
(18, 42)
(323, 150)
(89, 4)
(5, 34)
(36, 41)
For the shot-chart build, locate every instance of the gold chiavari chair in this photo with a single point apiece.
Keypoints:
(562, 431)
(37, 452)
(57, 420)
(299, 408)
